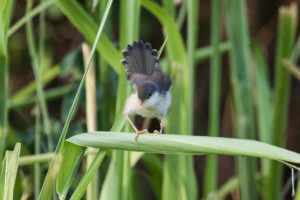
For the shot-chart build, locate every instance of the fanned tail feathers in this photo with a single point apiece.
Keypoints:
(140, 58)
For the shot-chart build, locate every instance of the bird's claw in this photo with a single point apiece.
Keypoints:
(139, 133)
(157, 132)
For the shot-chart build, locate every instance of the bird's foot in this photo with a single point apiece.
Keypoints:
(157, 132)
(139, 133)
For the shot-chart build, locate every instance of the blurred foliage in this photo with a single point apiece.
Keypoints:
(247, 93)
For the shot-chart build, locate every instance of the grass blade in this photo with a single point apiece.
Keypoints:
(5, 12)
(240, 81)
(262, 94)
(120, 162)
(91, 108)
(286, 36)
(9, 173)
(36, 66)
(293, 69)
(27, 160)
(85, 24)
(262, 98)
(50, 94)
(71, 157)
(204, 53)
(40, 8)
(80, 189)
(48, 183)
(183, 144)
(130, 19)
(211, 173)
(30, 88)
(180, 110)
(37, 150)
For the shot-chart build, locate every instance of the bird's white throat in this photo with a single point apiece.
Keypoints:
(156, 106)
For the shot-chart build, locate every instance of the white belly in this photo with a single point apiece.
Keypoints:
(156, 106)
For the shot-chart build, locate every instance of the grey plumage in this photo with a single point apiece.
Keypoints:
(140, 58)
(152, 97)
(143, 68)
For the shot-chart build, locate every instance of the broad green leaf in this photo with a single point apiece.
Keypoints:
(9, 173)
(3, 176)
(71, 157)
(181, 144)
(89, 174)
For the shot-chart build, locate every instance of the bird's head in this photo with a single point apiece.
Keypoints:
(147, 92)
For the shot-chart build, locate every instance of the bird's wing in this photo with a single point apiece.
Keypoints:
(140, 58)
(161, 79)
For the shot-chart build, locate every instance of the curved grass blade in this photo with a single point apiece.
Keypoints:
(5, 12)
(81, 188)
(40, 8)
(48, 183)
(9, 173)
(85, 24)
(71, 157)
(181, 144)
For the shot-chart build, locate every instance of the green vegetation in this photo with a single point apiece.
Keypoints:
(66, 123)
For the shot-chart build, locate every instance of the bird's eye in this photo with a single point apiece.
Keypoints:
(150, 94)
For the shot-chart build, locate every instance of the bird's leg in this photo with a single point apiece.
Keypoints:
(161, 126)
(134, 127)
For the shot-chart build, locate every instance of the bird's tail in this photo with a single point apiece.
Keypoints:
(140, 58)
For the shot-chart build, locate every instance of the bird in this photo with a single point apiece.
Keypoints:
(151, 97)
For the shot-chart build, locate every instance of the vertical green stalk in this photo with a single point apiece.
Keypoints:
(286, 37)
(240, 81)
(36, 70)
(210, 177)
(192, 30)
(90, 95)
(189, 79)
(173, 188)
(5, 11)
(120, 163)
(41, 67)
(178, 177)
(107, 106)
(262, 92)
(41, 99)
(181, 15)
(129, 31)
(37, 146)
(169, 7)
